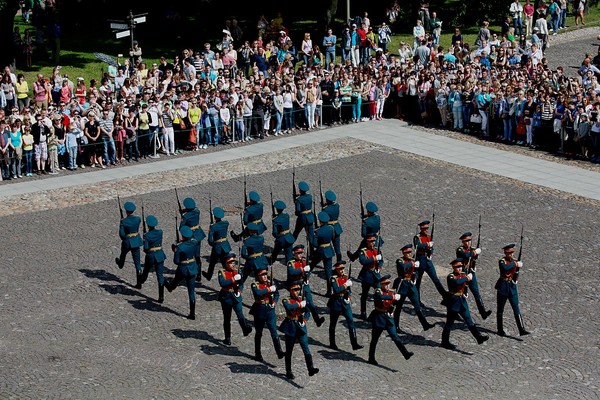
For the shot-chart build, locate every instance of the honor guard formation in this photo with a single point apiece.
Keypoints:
(322, 247)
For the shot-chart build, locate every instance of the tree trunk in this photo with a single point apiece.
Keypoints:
(8, 10)
(331, 11)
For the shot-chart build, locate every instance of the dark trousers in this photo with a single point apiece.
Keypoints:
(237, 308)
(135, 254)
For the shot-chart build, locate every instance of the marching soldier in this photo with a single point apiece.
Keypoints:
(507, 289)
(284, 240)
(253, 213)
(424, 245)
(230, 297)
(405, 287)
(190, 217)
(305, 218)
(469, 254)
(294, 328)
(217, 240)
(457, 305)
(252, 252)
(263, 310)
(333, 210)
(381, 319)
(371, 225)
(186, 254)
(323, 250)
(372, 261)
(130, 240)
(298, 272)
(155, 256)
(339, 304)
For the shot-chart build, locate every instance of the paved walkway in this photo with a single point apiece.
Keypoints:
(389, 133)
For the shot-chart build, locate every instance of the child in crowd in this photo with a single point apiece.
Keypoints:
(73, 133)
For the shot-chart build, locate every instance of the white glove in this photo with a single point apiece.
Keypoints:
(470, 276)
(348, 283)
(237, 277)
(519, 264)
(378, 257)
(396, 296)
(307, 268)
(478, 251)
(272, 289)
(430, 244)
(417, 264)
(303, 303)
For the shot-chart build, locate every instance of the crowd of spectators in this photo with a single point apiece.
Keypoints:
(501, 88)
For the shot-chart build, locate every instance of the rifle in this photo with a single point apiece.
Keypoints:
(245, 193)
(432, 223)
(479, 233)
(176, 234)
(272, 204)
(144, 219)
(212, 218)
(516, 278)
(294, 190)
(178, 203)
(349, 267)
(321, 194)
(315, 214)
(119, 203)
(362, 205)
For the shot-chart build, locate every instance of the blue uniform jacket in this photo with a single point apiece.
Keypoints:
(252, 251)
(456, 287)
(216, 234)
(296, 273)
(341, 295)
(381, 316)
(371, 268)
(509, 274)
(467, 254)
(129, 231)
(192, 219)
(322, 241)
(371, 225)
(185, 256)
(294, 323)
(153, 246)
(230, 292)
(421, 243)
(254, 213)
(281, 230)
(304, 204)
(333, 210)
(264, 301)
(407, 277)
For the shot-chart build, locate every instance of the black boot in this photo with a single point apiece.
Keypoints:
(192, 315)
(169, 285)
(481, 308)
(332, 344)
(246, 328)
(227, 331)
(477, 335)
(288, 365)
(277, 344)
(500, 324)
(309, 365)
(257, 351)
(446, 340)
(118, 263)
(407, 354)
(521, 326)
(354, 340)
(161, 293)
(426, 325)
(319, 320)
(138, 280)
(372, 348)
(236, 238)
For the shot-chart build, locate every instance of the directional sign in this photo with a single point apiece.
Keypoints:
(115, 25)
(123, 34)
(139, 20)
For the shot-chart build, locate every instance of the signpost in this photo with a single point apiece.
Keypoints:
(129, 25)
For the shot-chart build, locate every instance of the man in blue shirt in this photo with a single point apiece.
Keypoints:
(329, 45)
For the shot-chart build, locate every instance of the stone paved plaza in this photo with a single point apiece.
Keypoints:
(75, 327)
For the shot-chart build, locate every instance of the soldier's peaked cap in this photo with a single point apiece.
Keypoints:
(509, 247)
(229, 256)
(186, 232)
(466, 235)
(129, 206)
(254, 196)
(189, 203)
(385, 279)
(303, 186)
(298, 247)
(323, 216)
(279, 205)
(340, 265)
(330, 195)
(426, 222)
(456, 262)
(253, 226)
(407, 247)
(151, 221)
(218, 212)
(371, 207)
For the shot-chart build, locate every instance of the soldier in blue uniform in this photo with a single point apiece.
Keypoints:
(217, 240)
(230, 297)
(298, 272)
(294, 328)
(155, 256)
(381, 319)
(305, 218)
(339, 304)
(405, 287)
(371, 260)
(253, 213)
(190, 217)
(186, 254)
(457, 305)
(333, 210)
(253, 252)
(469, 254)
(266, 297)
(507, 289)
(131, 240)
(323, 249)
(371, 225)
(284, 240)
(424, 245)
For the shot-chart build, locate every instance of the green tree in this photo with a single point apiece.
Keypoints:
(8, 10)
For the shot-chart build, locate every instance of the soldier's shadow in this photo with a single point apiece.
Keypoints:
(150, 305)
(262, 369)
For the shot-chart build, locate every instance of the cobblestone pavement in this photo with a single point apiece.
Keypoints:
(74, 326)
